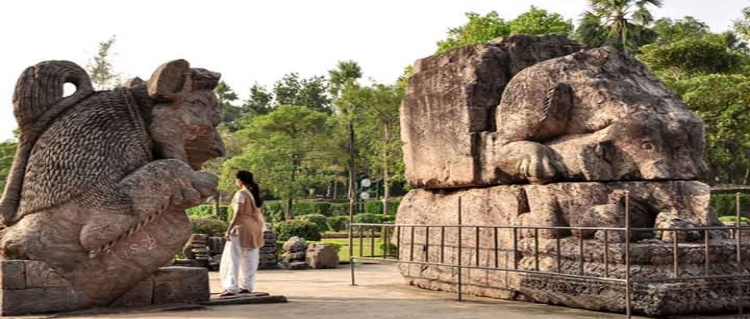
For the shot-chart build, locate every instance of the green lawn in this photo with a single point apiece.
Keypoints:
(366, 247)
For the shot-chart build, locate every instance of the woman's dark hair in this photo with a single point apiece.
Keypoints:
(247, 179)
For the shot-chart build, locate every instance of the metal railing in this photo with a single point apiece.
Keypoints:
(405, 255)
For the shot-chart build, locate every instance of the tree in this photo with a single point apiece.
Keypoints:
(100, 69)
(691, 56)
(230, 113)
(479, 29)
(723, 102)
(379, 105)
(669, 31)
(291, 90)
(345, 73)
(742, 26)
(285, 149)
(539, 21)
(259, 102)
(621, 23)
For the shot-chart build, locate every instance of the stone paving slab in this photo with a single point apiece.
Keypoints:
(381, 294)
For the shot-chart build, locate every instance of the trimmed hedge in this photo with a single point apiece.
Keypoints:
(208, 226)
(725, 204)
(340, 209)
(376, 206)
(207, 211)
(300, 228)
(318, 219)
(337, 223)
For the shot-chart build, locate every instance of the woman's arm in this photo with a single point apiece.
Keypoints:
(238, 208)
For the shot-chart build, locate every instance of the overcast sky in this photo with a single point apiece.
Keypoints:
(259, 41)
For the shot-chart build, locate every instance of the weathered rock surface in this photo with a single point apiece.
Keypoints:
(474, 117)
(321, 256)
(101, 180)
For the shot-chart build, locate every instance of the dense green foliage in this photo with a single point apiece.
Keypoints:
(300, 228)
(623, 24)
(208, 211)
(483, 28)
(208, 226)
(725, 204)
(337, 223)
(7, 152)
(318, 219)
(376, 206)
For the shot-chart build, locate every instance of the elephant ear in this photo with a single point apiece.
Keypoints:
(170, 81)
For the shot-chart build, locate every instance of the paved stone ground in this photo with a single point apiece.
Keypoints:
(381, 294)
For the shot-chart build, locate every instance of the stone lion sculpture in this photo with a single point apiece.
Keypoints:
(101, 179)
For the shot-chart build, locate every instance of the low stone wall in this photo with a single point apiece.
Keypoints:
(32, 287)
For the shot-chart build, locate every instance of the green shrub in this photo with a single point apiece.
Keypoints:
(274, 211)
(208, 226)
(318, 219)
(340, 209)
(207, 211)
(387, 218)
(725, 204)
(307, 208)
(368, 218)
(376, 206)
(300, 228)
(337, 223)
(726, 219)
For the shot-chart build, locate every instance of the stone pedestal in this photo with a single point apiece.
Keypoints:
(32, 287)
(571, 204)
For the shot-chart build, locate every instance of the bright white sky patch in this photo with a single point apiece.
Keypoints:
(259, 41)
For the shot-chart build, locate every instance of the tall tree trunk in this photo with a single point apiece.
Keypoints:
(386, 187)
(352, 195)
(335, 189)
(289, 213)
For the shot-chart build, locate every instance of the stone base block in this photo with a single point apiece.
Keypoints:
(32, 287)
(181, 285)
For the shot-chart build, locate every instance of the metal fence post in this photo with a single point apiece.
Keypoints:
(627, 255)
(460, 282)
(738, 238)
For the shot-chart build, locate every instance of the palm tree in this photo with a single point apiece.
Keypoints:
(346, 74)
(623, 23)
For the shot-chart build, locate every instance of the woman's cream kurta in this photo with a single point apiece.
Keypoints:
(248, 221)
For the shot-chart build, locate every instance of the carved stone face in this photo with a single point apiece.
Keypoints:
(185, 116)
(201, 114)
(654, 149)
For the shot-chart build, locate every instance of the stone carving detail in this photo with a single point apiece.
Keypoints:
(101, 179)
(534, 131)
(593, 115)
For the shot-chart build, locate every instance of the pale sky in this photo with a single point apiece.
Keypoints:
(259, 41)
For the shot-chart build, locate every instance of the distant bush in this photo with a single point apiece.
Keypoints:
(207, 211)
(340, 209)
(727, 219)
(300, 228)
(318, 219)
(376, 206)
(208, 226)
(274, 211)
(725, 204)
(337, 223)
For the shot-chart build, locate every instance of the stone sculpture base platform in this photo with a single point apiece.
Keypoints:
(573, 204)
(32, 287)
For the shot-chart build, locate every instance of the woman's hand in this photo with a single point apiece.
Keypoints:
(227, 237)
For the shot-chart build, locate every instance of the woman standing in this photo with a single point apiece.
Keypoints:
(239, 261)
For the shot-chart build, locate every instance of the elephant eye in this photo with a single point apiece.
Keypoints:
(647, 145)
